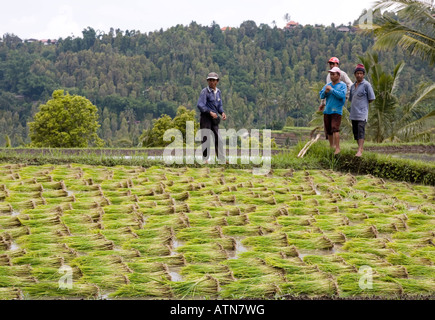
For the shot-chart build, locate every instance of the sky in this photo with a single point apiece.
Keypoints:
(53, 19)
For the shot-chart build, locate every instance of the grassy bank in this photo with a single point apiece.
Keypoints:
(320, 156)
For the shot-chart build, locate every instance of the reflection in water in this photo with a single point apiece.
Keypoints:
(239, 249)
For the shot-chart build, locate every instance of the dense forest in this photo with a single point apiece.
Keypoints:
(267, 75)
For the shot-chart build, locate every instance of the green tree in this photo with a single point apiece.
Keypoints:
(154, 137)
(65, 121)
(413, 31)
(8, 143)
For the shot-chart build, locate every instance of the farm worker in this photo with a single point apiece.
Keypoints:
(334, 62)
(210, 106)
(361, 95)
(335, 94)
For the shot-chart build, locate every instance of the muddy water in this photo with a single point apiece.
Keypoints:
(234, 254)
(174, 272)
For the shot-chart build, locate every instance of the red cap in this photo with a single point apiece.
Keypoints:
(334, 59)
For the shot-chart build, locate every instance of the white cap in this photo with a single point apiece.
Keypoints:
(335, 69)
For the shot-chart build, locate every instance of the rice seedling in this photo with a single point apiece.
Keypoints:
(376, 246)
(11, 294)
(243, 231)
(313, 288)
(363, 259)
(203, 253)
(206, 286)
(152, 289)
(83, 243)
(261, 287)
(79, 290)
(359, 231)
(197, 271)
(348, 285)
(140, 278)
(16, 271)
(330, 264)
(187, 218)
(199, 232)
(249, 267)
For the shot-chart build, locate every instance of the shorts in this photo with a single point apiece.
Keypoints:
(358, 129)
(331, 123)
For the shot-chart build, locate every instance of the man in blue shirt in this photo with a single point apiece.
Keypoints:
(335, 94)
(361, 95)
(210, 106)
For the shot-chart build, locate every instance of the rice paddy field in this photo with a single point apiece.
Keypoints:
(211, 233)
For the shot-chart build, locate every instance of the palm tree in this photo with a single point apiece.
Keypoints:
(414, 31)
(388, 120)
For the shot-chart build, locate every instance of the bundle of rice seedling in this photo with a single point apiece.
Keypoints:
(89, 243)
(5, 208)
(285, 265)
(206, 286)
(175, 260)
(411, 245)
(271, 240)
(360, 231)
(363, 259)
(111, 282)
(245, 231)
(336, 237)
(199, 232)
(349, 286)
(151, 289)
(393, 271)
(181, 196)
(263, 287)
(141, 278)
(16, 253)
(314, 242)
(301, 220)
(227, 243)
(238, 220)
(249, 267)
(10, 222)
(5, 260)
(34, 259)
(203, 253)
(314, 288)
(330, 264)
(11, 294)
(16, 271)
(149, 249)
(417, 288)
(78, 290)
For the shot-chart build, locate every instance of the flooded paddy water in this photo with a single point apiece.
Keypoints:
(184, 233)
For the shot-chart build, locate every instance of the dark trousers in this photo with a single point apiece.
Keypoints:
(206, 122)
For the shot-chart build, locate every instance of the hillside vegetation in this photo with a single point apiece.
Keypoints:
(267, 74)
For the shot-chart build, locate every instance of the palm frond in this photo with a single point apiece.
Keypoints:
(414, 31)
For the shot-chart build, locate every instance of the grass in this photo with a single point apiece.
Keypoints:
(125, 229)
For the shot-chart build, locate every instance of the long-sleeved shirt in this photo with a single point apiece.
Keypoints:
(343, 77)
(335, 98)
(210, 100)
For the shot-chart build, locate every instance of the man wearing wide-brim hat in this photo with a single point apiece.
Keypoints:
(210, 106)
